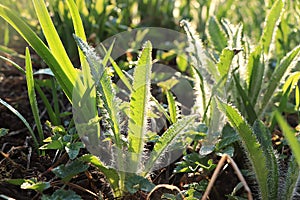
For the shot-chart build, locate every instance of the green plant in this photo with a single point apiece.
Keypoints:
(55, 56)
(127, 154)
(250, 86)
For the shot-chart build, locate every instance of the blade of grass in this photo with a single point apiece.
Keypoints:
(52, 37)
(14, 64)
(4, 103)
(55, 120)
(65, 76)
(290, 136)
(32, 95)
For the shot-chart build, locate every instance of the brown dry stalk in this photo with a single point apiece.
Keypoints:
(167, 186)
(227, 158)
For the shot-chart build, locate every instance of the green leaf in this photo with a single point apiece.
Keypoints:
(3, 131)
(139, 104)
(271, 25)
(62, 195)
(286, 63)
(15, 181)
(104, 85)
(65, 74)
(32, 95)
(18, 67)
(110, 174)
(246, 101)
(172, 106)
(38, 186)
(66, 172)
(79, 31)
(52, 37)
(290, 179)
(229, 136)
(264, 137)
(73, 149)
(290, 136)
(215, 34)
(255, 73)
(4, 103)
(251, 145)
(56, 144)
(224, 64)
(168, 139)
(135, 183)
(182, 62)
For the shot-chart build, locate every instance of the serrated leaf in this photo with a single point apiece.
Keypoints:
(251, 144)
(290, 179)
(224, 64)
(66, 172)
(271, 24)
(167, 139)
(139, 104)
(264, 137)
(215, 34)
(62, 195)
(285, 65)
(255, 72)
(104, 84)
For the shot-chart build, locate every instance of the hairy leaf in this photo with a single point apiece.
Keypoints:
(215, 34)
(139, 104)
(255, 73)
(285, 65)
(253, 148)
(271, 24)
(167, 139)
(264, 137)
